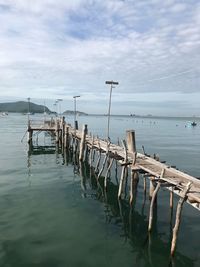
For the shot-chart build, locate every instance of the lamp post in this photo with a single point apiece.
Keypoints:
(75, 97)
(109, 106)
(28, 113)
(59, 102)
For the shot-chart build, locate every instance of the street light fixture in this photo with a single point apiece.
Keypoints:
(109, 106)
(76, 96)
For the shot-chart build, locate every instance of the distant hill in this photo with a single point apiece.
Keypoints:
(71, 112)
(22, 107)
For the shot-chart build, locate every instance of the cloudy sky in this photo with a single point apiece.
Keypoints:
(53, 49)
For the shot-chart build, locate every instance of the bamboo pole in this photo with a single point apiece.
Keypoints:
(178, 217)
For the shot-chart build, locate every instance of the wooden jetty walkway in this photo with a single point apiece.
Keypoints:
(159, 174)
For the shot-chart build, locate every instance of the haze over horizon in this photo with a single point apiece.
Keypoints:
(57, 49)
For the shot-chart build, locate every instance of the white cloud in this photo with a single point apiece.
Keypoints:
(61, 47)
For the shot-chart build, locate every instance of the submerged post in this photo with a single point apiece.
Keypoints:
(131, 146)
(82, 144)
(178, 217)
(130, 137)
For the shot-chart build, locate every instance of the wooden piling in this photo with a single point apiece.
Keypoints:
(30, 137)
(178, 217)
(130, 139)
(131, 144)
(57, 131)
(107, 172)
(152, 205)
(123, 169)
(82, 143)
(152, 186)
(76, 125)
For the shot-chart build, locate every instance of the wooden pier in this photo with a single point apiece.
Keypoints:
(159, 174)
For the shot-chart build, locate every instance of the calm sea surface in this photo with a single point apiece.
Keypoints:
(49, 219)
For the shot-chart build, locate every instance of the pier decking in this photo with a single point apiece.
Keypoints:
(159, 174)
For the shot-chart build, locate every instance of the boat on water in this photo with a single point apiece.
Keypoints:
(4, 114)
(193, 123)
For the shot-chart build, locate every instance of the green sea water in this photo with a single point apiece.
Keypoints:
(51, 216)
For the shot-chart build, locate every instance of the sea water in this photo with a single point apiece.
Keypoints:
(48, 220)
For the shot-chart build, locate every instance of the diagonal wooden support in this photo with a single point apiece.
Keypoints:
(178, 217)
(123, 169)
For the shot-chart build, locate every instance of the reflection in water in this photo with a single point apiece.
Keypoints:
(150, 249)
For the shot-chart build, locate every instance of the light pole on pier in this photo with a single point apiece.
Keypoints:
(109, 106)
(59, 102)
(75, 97)
(28, 113)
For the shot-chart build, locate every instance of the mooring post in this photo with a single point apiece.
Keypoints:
(178, 217)
(66, 138)
(82, 143)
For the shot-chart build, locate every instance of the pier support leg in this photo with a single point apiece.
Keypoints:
(57, 131)
(178, 218)
(76, 125)
(107, 173)
(133, 185)
(96, 170)
(151, 187)
(30, 137)
(121, 181)
(82, 144)
(152, 206)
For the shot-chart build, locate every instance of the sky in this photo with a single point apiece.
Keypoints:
(52, 49)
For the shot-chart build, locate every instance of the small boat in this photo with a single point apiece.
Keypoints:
(4, 113)
(193, 123)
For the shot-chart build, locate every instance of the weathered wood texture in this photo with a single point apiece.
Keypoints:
(173, 179)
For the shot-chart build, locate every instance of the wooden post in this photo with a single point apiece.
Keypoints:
(63, 131)
(133, 185)
(82, 144)
(66, 139)
(130, 138)
(57, 131)
(91, 152)
(178, 217)
(123, 169)
(96, 170)
(152, 205)
(131, 146)
(103, 165)
(171, 199)
(76, 125)
(107, 172)
(30, 137)
(151, 186)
